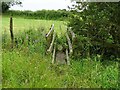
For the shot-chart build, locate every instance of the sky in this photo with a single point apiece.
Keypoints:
(42, 4)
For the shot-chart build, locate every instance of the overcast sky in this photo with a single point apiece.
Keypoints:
(42, 4)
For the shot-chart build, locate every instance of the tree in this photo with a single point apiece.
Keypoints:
(97, 26)
(7, 5)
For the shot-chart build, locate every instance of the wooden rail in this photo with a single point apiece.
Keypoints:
(72, 33)
(69, 44)
(67, 57)
(54, 52)
(51, 29)
(52, 46)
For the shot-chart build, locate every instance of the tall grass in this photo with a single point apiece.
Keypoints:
(31, 41)
(33, 71)
(27, 66)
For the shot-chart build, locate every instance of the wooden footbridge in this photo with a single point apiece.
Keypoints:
(61, 53)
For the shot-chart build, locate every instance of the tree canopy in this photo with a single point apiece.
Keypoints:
(7, 5)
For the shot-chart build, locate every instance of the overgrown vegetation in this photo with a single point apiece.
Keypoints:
(97, 28)
(26, 65)
(96, 48)
(34, 71)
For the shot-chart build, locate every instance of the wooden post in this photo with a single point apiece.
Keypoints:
(72, 34)
(67, 57)
(53, 59)
(52, 43)
(11, 31)
(51, 29)
(49, 35)
(69, 43)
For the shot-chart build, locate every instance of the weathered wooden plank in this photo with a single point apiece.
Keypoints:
(67, 57)
(51, 29)
(72, 33)
(52, 43)
(49, 36)
(69, 44)
(53, 58)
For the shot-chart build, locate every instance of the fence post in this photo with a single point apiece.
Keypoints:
(49, 35)
(69, 44)
(54, 54)
(11, 31)
(67, 57)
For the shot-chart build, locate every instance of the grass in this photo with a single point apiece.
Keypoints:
(34, 71)
(27, 66)
(21, 24)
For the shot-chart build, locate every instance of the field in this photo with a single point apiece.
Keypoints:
(21, 24)
(27, 65)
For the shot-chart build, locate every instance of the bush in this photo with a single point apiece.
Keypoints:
(97, 32)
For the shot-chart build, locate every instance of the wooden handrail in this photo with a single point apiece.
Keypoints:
(51, 29)
(69, 43)
(51, 45)
(67, 57)
(72, 33)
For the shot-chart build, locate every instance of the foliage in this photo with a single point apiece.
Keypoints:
(23, 70)
(41, 14)
(97, 26)
(27, 66)
(6, 5)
